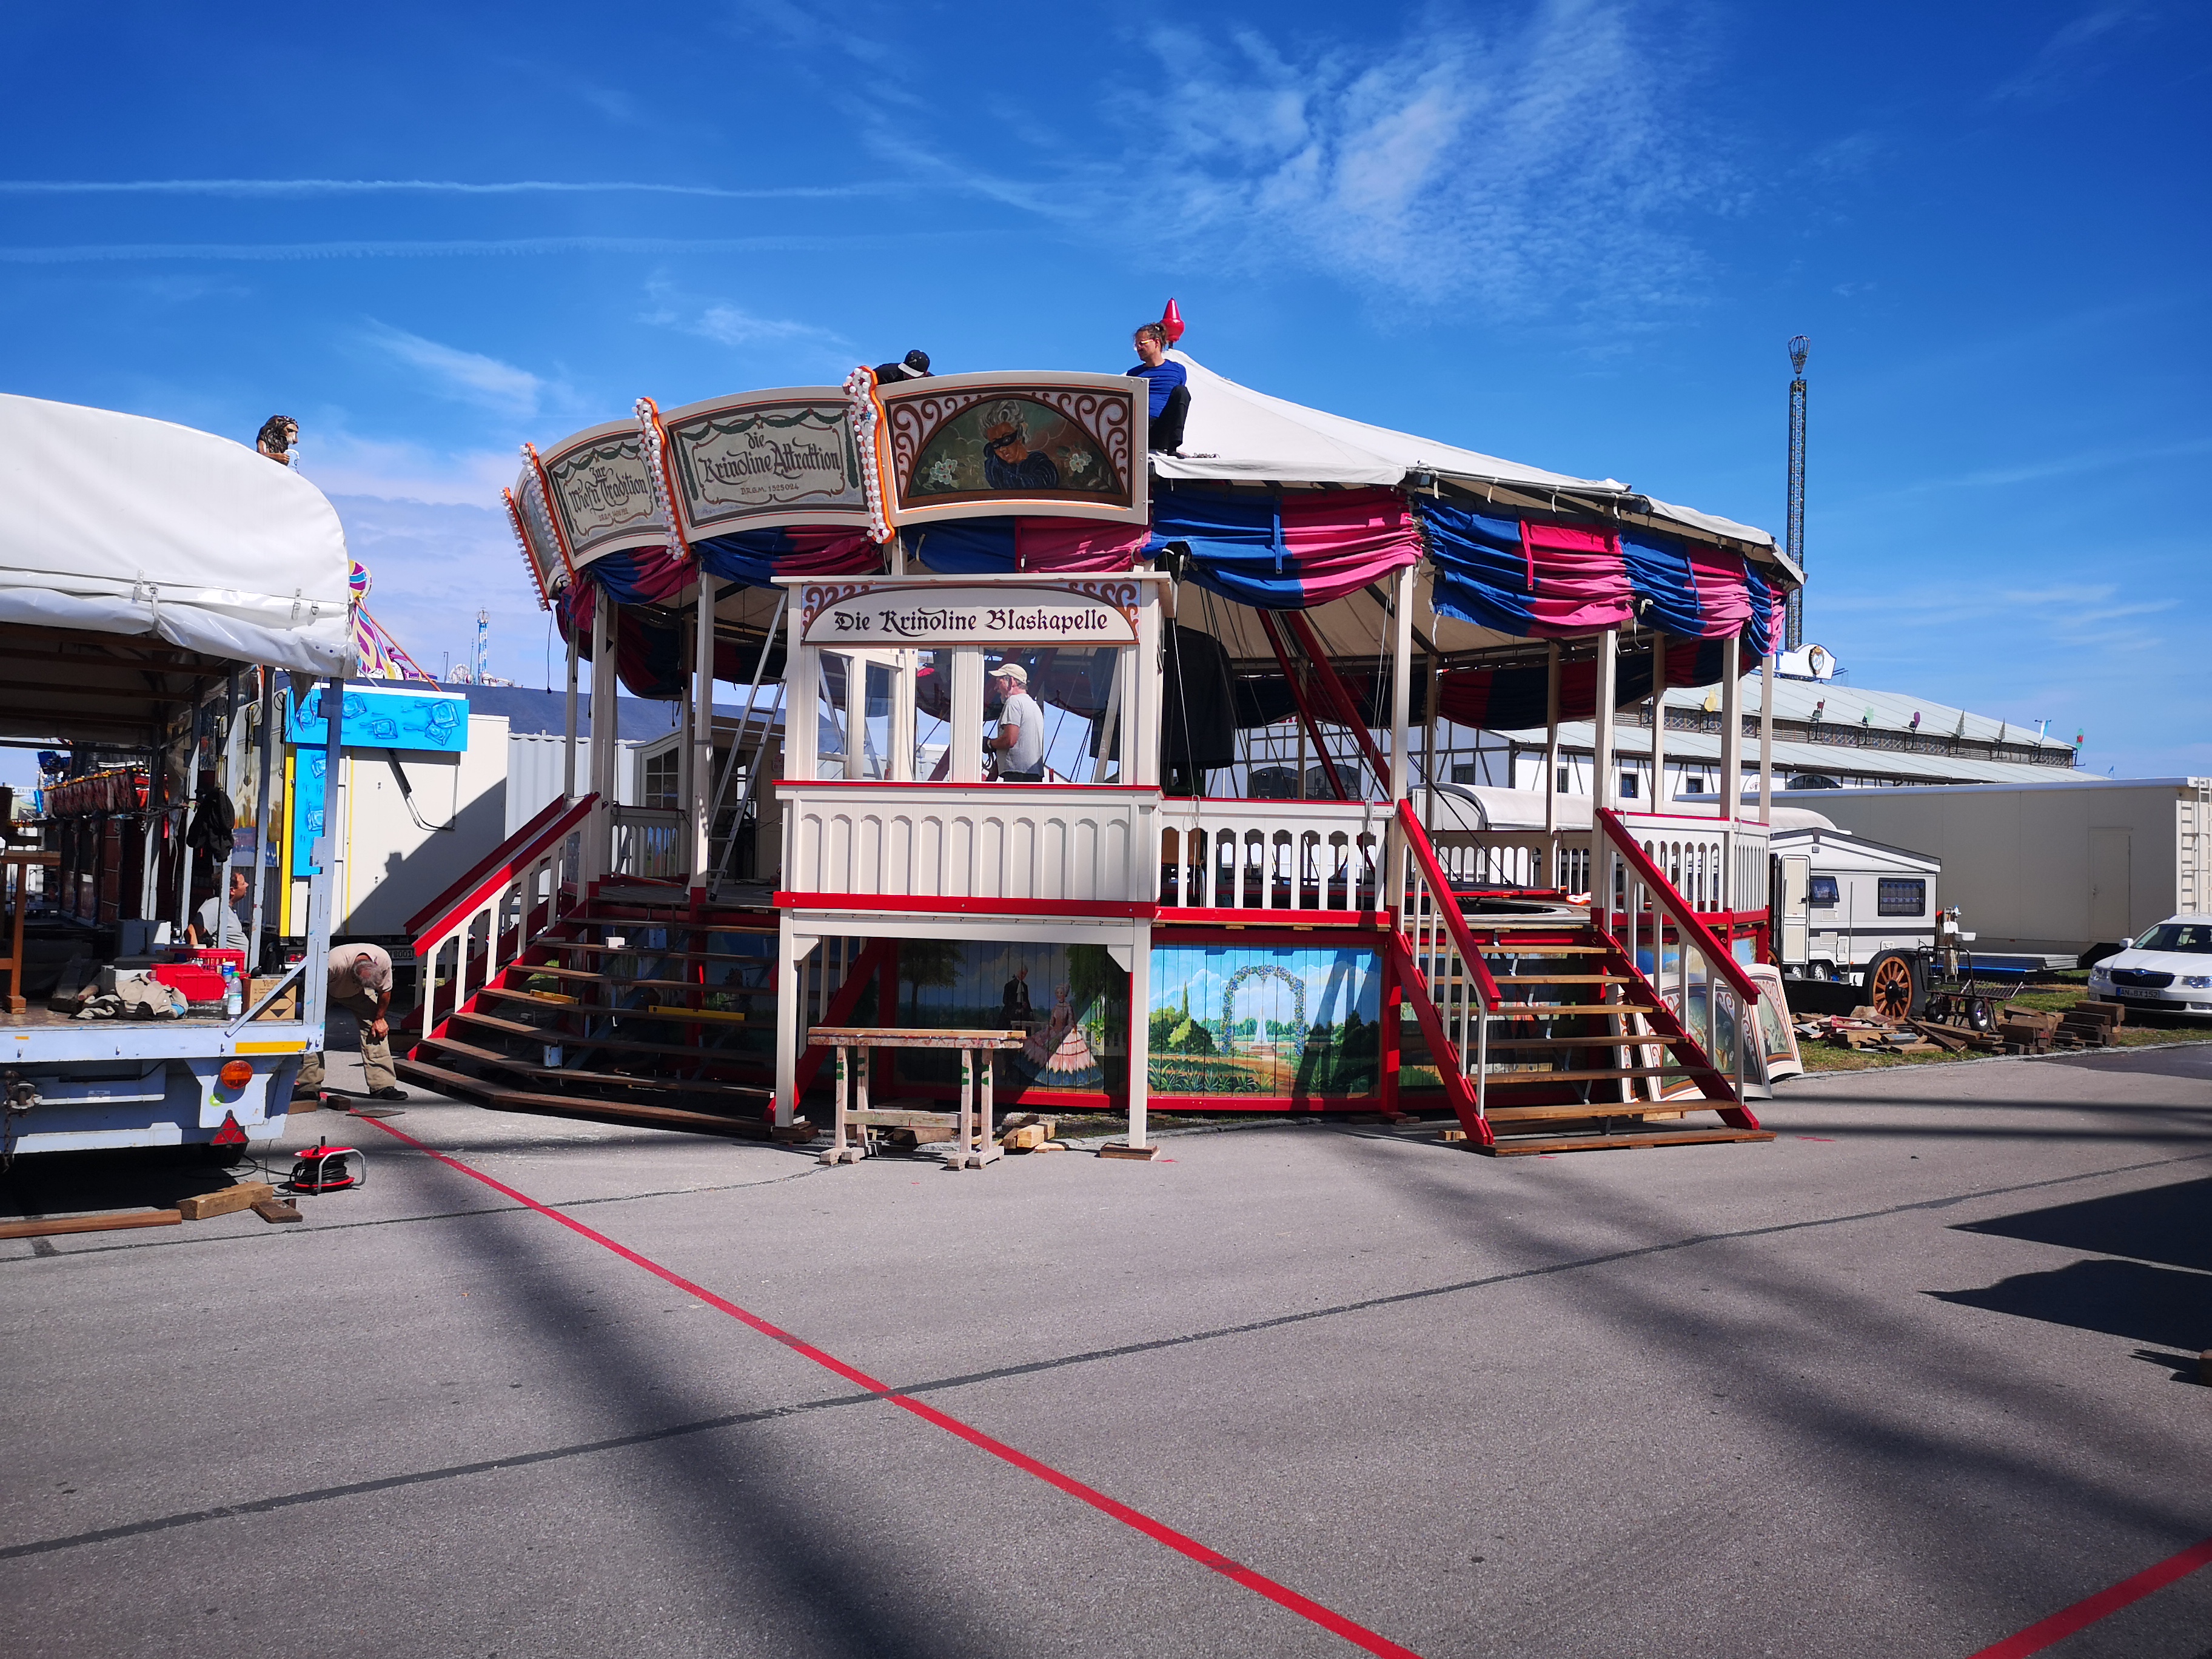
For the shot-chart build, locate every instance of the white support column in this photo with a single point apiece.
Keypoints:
(791, 950)
(568, 725)
(1658, 722)
(606, 738)
(967, 733)
(1141, 1030)
(700, 802)
(1401, 687)
(1766, 738)
(1731, 803)
(1601, 764)
(1552, 876)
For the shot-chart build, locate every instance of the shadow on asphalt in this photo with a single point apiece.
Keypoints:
(2160, 1223)
(2119, 1299)
(67, 1184)
(2185, 1366)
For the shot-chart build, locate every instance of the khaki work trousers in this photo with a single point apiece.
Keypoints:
(375, 1052)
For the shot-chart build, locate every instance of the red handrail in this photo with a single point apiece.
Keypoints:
(1425, 855)
(554, 821)
(1686, 918)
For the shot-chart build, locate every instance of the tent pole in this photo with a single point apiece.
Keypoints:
(701, 768)
(1602, 763)
(1766, 738)
(568, 724)
(1658, 722)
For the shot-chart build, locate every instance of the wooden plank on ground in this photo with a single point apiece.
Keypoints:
(278, 1209)
(205, 1206)
(43, 1227)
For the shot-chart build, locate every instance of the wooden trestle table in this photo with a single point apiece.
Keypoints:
(974, 1142)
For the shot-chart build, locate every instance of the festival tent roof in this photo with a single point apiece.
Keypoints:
(116, 524)
(1237, 434)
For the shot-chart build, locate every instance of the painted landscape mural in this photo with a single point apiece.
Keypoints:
(1240, 1020)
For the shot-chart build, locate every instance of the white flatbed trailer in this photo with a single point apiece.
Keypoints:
(144, 569)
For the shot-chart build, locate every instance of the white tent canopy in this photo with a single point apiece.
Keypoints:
(121, 524)
(1237, 434)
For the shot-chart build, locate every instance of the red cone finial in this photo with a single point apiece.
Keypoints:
(1171, 320)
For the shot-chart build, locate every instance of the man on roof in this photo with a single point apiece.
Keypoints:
(1170, 390)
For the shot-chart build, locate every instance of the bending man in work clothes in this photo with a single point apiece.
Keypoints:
(360, 983)
(1019, 741)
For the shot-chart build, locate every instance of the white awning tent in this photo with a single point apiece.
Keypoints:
(116, 524)
(1237, 434)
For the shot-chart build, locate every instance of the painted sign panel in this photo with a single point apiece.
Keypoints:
(603, 493)
(961, 445)
(1087, 613)
(775, 457)
(383, 718)
(1288, 1022)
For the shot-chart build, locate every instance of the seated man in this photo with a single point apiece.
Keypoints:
(1019, 741)
(1170, 391)
(222, 923)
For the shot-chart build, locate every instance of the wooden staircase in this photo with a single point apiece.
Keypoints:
(1546, 1035)
(641, 1005)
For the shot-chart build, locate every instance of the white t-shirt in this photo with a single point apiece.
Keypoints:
(1027, 755)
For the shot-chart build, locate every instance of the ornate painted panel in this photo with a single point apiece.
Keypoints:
(766, 458)
(601, 494)
(1041, 446)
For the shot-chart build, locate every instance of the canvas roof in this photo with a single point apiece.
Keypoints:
(1237, 434)
(116, 524)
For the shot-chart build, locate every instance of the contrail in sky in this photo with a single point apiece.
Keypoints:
(394, 187)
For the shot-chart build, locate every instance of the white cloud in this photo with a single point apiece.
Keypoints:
(340, 463)
(2067, 56)
(732, 327)
(1524, 166)
(469, 376)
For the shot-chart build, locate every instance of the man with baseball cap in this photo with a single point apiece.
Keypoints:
(360, 983)
(1019, 741)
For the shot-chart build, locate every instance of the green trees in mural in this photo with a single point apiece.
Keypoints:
(934, 963)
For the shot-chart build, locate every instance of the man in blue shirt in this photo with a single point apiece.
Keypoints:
(1170, 393)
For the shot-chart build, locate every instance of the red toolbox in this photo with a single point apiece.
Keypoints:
(197, 983)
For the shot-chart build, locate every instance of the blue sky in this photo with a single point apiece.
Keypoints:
(1577, 235)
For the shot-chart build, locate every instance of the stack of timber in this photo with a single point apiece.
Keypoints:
(2091, 1025)
(2029, 1030)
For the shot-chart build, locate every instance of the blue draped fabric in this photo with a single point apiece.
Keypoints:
(1666, 586)
(965, 547)
(1760, 636)
(1285, 553)
(1481, 567)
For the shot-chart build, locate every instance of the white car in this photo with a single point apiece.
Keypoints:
(2169, 967)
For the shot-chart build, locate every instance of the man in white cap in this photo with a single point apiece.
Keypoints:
(1019, 741)
(360, 983)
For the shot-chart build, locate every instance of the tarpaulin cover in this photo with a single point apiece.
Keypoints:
(1289, 551)
(117, 524)
(983, 547)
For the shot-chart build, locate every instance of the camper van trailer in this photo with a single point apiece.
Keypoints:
(1850, 909)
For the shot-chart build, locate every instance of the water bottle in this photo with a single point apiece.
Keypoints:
(233, 1000)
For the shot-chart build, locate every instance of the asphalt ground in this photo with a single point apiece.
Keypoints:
(1907, 1381)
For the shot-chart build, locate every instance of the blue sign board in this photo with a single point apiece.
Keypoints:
(384, 717)
(379, 717)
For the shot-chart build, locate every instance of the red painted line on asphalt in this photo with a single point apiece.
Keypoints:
(1336, 1623)
(2060, 1625)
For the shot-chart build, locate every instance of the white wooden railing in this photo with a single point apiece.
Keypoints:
(487, 918)
(1286, 855)
(1072, 843)
(650, 841)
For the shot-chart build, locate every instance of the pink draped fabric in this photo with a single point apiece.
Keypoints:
(1578, 581)
(1339, 540)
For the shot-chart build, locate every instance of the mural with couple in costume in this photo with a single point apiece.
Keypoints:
(1071, 1001)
